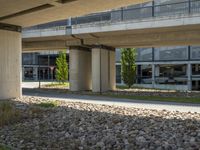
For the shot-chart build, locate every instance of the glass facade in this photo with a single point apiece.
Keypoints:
(38, 65)
(144, 54)
(144, 74)
(29, 58)
(171, 53)
(178, 53)
(171, 66)
(172, 74)
(195, 52)
(118, 74)
(28, 73)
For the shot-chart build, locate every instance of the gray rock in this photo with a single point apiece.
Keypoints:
(89, 126)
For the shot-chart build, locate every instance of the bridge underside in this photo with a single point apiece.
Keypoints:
(171, 36)
(32, 12)
(15, 14)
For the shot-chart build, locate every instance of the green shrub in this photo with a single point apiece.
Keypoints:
(62, 67)
(128, 70)
(49, 104)
(8, 113)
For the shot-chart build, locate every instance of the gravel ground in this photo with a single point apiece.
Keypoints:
(91, 126)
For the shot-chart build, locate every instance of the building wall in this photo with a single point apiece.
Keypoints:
(162, 58)
(40, 65)
(175, 68)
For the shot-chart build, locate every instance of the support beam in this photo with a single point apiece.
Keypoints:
(189, 74)
(196, 82)
(103, 69)
(153, 75)
(10, 64)
(155, 39)
(80, 69)
(35, 73)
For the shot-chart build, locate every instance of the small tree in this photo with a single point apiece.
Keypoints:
(61, 67)
(128, 72)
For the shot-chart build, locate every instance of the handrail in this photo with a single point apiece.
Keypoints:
(153, 14)
(139, 13)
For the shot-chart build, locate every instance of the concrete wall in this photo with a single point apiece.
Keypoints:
(10, 64)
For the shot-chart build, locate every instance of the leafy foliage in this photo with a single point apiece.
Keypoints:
(61, 67)
(128, 66)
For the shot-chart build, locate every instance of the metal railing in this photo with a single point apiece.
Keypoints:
(171, 9)
(99, 17)
(126, 14)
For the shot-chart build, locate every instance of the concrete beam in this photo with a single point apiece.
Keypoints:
(174, 38)
(44, 45)
(154, 39)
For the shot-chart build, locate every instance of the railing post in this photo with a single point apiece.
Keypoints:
(189, 6)
(153, 8)
(122, 14)
(189, 53)
(153, 54)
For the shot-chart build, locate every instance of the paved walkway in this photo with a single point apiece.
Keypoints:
(32, 85)
(170, 106)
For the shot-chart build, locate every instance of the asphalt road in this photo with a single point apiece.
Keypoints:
(158, 105)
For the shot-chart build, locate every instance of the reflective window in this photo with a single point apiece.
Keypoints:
(144, 74)
(118, 73)
(196, 69)
(27, 58)
(171, 53)
(195, 52)
(28, 73)
(144, 54)
(172, 74)
(118, 55)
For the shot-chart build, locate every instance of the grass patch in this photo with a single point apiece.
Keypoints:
(124, 87)
(3, 147)
(158, 98)
(50, 104)
(57, 84)
(8, 113)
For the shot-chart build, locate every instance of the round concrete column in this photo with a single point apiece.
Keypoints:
(10, 64)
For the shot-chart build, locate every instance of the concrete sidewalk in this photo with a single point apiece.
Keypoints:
(32, 85)
(170, 106)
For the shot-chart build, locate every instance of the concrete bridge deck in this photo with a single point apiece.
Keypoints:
(179, 27)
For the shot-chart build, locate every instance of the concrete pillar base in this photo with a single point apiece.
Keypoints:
(10, 64)
(103, 70)
(80, 69)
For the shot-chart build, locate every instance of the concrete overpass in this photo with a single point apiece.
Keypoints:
(23, 13)
(149, 32)
(92, 44)
(151, 25)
